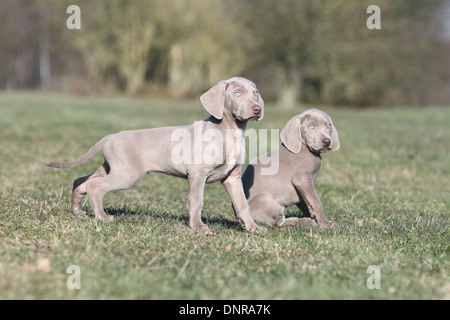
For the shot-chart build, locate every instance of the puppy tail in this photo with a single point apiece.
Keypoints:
(83, 159)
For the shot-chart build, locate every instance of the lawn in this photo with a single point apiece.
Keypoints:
(387, 189)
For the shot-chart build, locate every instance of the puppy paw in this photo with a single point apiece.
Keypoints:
(79, 212)
(328, 224)
(200, 226)
(253, 227)
(105, 218)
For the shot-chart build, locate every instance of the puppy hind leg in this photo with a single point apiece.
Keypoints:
(96, 189)
(78, 192)
(79, 187)
(266, 209)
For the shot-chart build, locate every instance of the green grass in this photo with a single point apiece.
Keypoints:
(387, 188)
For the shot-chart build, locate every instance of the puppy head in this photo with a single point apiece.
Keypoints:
(237, 97)
(314, 129)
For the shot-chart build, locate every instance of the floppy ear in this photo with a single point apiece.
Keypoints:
(334, 137)
(291, 134)
(213, 100)
(261, 102)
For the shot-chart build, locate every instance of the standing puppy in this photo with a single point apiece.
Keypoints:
(304, 137)
(207, 151)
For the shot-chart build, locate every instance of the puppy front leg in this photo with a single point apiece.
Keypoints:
(306, 189)
(195, 201)
(235, 190)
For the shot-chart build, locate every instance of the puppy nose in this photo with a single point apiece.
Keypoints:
(326, 142)
(256, 109)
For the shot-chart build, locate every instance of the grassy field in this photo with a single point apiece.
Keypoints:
(387, 189)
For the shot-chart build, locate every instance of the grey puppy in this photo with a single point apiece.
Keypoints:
(128, 155)
(305, 137)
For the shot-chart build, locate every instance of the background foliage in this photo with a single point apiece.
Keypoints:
(310, 51)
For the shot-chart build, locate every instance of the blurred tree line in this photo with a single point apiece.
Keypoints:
(309, 51)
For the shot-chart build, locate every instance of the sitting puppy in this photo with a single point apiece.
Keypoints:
(210, 150)
(304, 137)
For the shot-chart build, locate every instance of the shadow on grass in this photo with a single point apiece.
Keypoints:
(126, 211)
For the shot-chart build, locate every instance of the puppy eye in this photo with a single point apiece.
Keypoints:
(311, 127)
(256, 93)
(329, 125)
(237, 94)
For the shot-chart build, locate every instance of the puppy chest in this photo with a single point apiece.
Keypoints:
(225, 165)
